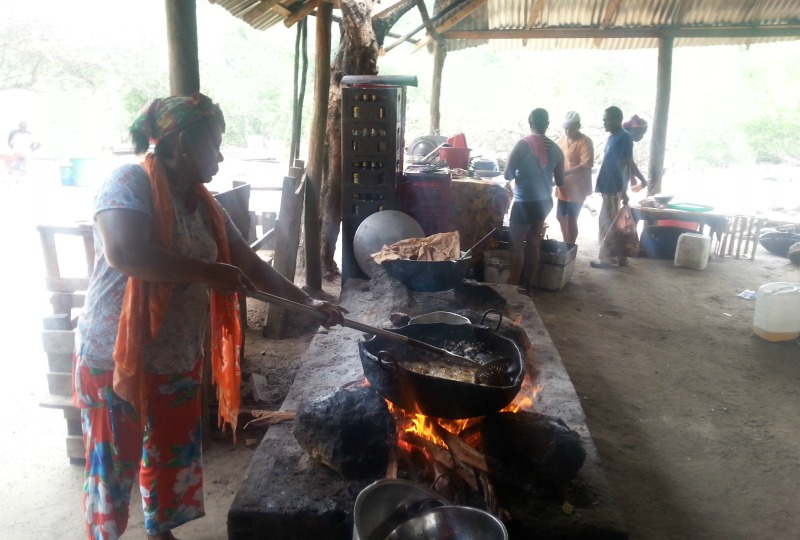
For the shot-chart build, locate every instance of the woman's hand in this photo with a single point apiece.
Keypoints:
(334, 314)
(226, 278)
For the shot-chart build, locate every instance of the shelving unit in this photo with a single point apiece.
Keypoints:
(373, 123)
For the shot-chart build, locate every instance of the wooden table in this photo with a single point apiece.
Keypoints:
(716, 223)
(736, 236)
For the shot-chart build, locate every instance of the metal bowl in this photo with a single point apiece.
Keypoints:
(379, 501)
(462, 522)
(428, 276)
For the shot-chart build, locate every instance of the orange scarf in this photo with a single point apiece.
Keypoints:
(145, 305)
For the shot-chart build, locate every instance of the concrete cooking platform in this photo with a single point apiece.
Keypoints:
(286, 494)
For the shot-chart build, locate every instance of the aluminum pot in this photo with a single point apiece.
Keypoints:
(461, 522)
(377, 503)
(436, 396)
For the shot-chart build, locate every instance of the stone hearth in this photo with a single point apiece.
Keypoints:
(287, 495)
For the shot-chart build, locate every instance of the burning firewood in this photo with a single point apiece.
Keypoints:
(461, 451)
(350, 430)
(444, 457)
(530, 452)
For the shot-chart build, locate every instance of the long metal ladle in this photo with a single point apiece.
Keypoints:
(386, 334)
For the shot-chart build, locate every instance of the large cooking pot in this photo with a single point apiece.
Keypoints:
(428, 276)
(436, 396)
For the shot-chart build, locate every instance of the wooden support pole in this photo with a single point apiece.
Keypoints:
(287, 239)
(658, 141)
(439, 56)
(184, 66)
(316, 154)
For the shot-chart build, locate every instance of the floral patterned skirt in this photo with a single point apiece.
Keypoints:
(165, 452)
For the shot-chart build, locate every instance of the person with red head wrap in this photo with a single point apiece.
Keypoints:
(167, 257)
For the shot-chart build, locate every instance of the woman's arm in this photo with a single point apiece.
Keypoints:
(128, 248)
(265, 278)
(635, 173)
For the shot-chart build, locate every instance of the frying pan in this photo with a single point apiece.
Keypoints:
(436, 396)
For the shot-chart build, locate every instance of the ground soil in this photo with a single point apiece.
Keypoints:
(694, 417)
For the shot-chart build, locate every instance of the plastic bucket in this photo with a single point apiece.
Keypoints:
(692, 251)
(496, 266)
(456, 158)
(66, 175)
(777, 316)
(86, 171)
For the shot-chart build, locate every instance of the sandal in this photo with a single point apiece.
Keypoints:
(599, 264)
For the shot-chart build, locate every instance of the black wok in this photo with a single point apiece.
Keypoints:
(428, 276)
(436, 396)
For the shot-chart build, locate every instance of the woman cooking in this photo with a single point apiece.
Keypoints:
(167, 256)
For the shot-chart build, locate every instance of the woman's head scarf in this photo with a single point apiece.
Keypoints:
(164, 116)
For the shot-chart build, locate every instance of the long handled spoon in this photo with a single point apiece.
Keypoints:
(386, 334)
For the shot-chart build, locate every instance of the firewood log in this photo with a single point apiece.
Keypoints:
(530, 452)
(350, 430)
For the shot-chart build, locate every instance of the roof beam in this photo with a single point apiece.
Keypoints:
(611, 13)
(612, 33)
(536, 12)
(457, 17)
(681, 9)
(534, 16)
(257, 11)
(300, 13)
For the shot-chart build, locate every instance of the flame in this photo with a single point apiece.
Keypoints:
(422, 425)
(526, 397)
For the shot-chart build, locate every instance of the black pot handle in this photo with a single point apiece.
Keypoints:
(386, 360)
(496, 312)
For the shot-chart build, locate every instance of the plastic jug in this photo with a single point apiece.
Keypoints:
(693, 250)
(777, 316)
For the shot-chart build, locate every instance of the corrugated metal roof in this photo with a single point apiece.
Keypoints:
(594, 24)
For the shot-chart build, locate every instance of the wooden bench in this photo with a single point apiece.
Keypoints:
(58, 333)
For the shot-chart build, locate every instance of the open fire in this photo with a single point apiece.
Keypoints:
(447, 454)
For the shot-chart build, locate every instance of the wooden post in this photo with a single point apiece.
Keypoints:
(439, 55)
(287, 238)
(316, 154)
(658, 142)
(184, 66)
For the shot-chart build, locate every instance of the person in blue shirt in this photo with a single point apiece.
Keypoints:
(612, 179)
(533, 164)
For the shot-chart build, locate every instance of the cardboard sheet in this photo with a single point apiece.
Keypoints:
(437, 247)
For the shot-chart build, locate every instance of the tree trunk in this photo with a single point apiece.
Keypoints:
(357, 55)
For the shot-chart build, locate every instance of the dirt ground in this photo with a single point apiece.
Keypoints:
(694, 417)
